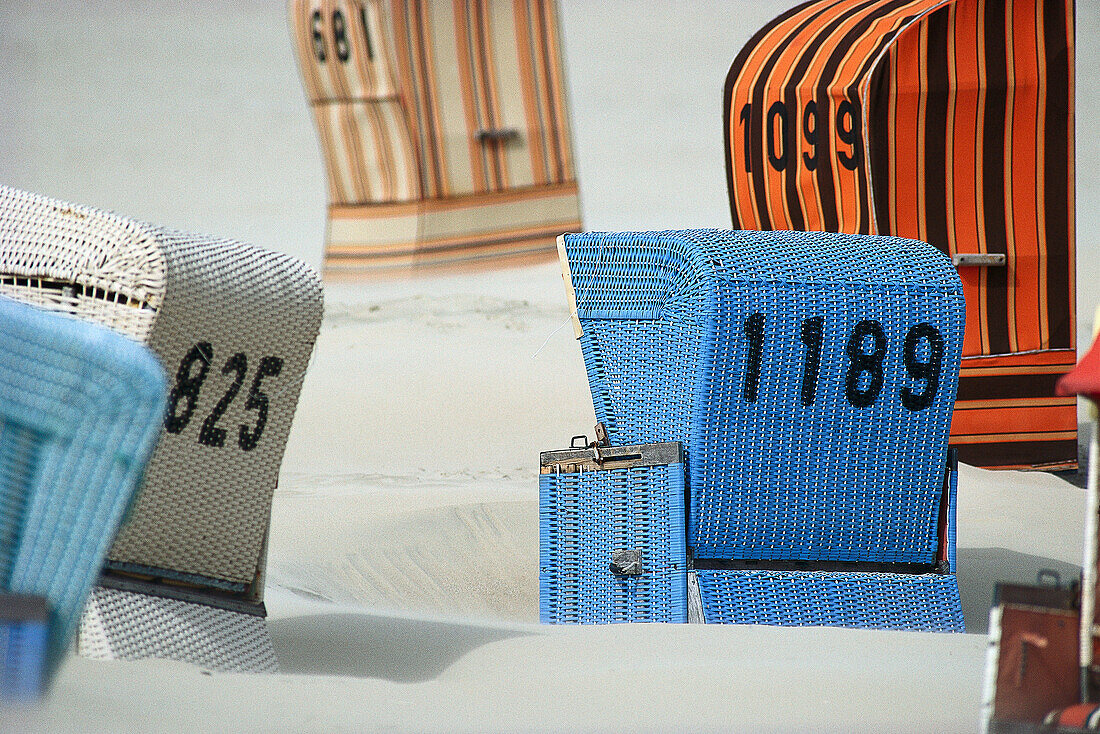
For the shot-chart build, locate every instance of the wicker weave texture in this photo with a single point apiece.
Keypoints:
(78, 260)
(22, 659)
(925, 602)
(121, 625)
(586, 516)
(669, 321)
(79, 417)
(237, 320)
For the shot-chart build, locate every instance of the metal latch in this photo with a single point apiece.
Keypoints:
(627, 562)
(583, 455)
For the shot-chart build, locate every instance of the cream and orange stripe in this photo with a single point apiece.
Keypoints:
(415, 102)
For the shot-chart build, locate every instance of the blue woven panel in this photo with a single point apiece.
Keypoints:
(583, 517)
(667, 320)
(81, 410)
(22, 659)
(19, 447)
(928, 603)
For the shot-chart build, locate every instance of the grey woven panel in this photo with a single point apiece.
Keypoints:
(121, 625)
(251, 318)
(234, 326)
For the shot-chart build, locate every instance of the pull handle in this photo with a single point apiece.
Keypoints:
(497, 134)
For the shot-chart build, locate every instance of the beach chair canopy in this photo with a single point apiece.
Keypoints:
(946, 121)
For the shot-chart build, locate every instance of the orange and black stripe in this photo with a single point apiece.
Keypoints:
(949, 121)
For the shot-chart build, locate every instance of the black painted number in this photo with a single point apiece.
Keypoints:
(210, 434)
(340, 36)
(777, 129)
(775, 135)
(316, 26)
(809, 131)
(927, 370)
(866, 347)
(847, 129)
(257, 400)
(861, 391)
(188, 384)
(813, 336)
(184, 397)
(754, 330)
(366, 31)
(340, 40)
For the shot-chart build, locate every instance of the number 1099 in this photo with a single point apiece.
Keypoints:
(865, 356)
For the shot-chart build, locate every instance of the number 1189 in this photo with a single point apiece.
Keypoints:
(865, 349)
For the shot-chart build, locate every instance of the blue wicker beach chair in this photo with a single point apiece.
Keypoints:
(810, 378)
(80, 410)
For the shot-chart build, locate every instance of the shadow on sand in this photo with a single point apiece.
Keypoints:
(397, 649)
(981, 569)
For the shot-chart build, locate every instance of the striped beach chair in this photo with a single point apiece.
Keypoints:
(809, 378)
(81, 410)
(444, 129)
(233, 326)
(951, 122)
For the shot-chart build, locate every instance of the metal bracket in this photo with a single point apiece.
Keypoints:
(978, 259)
(696, 615)
(601, 435)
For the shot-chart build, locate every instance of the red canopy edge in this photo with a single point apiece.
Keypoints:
(1084, 379)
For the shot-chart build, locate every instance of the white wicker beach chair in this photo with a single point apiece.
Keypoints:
(234, 326)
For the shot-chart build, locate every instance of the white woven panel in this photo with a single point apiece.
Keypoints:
(235, 333)
(81, 261)
(121, 625)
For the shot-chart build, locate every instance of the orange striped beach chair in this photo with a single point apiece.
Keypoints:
(948, 121)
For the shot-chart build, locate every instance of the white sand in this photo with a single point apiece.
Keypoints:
(402, 584)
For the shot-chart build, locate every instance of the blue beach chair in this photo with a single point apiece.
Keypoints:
(810, 378)
(80, 410)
